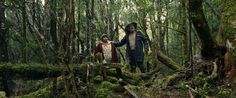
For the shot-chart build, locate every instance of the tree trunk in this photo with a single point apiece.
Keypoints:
(144, 25)
(88, 29)
(70, 29)
(24, 17)
(160, 29)
(209, 46)
(184, 30)
(39, 23)
(3, 34)
(78, 26)
(3, 46)
(93, 27)
(34, 11)
(73, 31)
(53, 33)
(166, 29)
(80, 41)
(53, 28)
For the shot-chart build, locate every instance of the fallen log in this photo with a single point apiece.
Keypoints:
(134, 95)
(33, 72)
(38, 71)
(167, 61)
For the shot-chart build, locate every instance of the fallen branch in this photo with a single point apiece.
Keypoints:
(167, 61)
(190, 94)
(131, 92)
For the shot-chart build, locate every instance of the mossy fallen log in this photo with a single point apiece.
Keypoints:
(28, 71)
(40, 71)
(134, 95)
(168, 61)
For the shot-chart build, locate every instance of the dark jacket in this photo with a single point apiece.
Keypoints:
(140, 43)
(113, 51)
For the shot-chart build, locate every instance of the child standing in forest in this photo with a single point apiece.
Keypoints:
(135, 42)
(106, 53)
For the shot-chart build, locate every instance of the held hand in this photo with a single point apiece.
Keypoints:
(113, 42)
(146, 51)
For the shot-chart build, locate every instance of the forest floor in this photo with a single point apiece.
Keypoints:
(131, 85)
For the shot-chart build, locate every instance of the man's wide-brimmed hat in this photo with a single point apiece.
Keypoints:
(133, 24)
(104, 35)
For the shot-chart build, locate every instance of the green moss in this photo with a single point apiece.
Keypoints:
(105, 89)
(103, 93)
(36, 71)
(98, 79)
(168, 61)
(45, 92)
(42, 93)
(225, 93)
(204, 90)
(228, 20)
(2, 94)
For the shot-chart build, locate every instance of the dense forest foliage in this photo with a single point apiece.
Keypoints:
(47, 48)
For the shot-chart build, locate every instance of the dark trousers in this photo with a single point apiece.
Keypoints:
(134, 63)
(104, 73)
(118, 73)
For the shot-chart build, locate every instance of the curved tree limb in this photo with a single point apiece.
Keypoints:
(214, 72)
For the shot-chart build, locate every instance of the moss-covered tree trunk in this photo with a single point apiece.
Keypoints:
(24, 33)
(53, 33)
(78, 26)
(53, 27)
(183, 9)
(160, 28)
(208, 44)
(167, 61)
(93, 25)
(3, 34)
(88, 29)
(3, 47)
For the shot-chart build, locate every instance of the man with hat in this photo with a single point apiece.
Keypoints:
(106, 52)
(135, 44)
